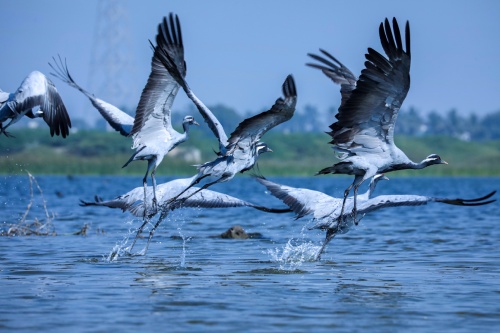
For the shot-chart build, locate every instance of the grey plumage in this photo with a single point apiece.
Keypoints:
(239, 157)
(236, 154)
(132, 202)
(240, 151)
(250, 130)
(152, 133)
(36, 90)
(363, 133)
(328, 214)
(119, 120)
(244, 146)
(178, 71)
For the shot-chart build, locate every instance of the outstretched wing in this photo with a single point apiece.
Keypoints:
(124, 201)
(252, 129)
(337, 72)
(4, 97)
(366, 119)
(302, 201)
(37, 90)
(178, 72)
(153, 117)
(116, 118)
(383, 201)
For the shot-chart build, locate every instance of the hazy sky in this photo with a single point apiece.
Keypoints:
(238, 53)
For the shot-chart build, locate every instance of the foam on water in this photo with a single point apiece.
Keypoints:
(122, 248)
(293, 254)
(118, 250)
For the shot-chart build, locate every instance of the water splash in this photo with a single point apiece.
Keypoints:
(292, 256)
(183, 254)
(295, 252)
(118, 250)
(180, 221)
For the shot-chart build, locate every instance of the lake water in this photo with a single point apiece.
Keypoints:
(415, 269)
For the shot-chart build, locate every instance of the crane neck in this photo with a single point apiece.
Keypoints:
(404, 166)
(186, 126)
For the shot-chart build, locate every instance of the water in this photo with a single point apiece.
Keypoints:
(418, 269)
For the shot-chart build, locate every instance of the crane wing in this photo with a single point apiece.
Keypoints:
(37, 90)
(153, 115)
(337, 72)
(178, 72)
(133, 200)
(383, 201)
(302, 201)
(250, 130)
(4, 97)
(116, 118)
(366, 119)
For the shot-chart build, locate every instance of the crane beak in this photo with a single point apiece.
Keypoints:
(444, 162)
(195, 123)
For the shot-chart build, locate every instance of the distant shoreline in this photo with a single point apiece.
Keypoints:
(294, 154)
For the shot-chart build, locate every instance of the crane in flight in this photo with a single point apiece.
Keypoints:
(132, 202)
(153, 135)
(36, 90)
(119, 120)
(327, 211)
(238, 152)
(363, 133)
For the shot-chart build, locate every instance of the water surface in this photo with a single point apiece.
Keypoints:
(418, 269)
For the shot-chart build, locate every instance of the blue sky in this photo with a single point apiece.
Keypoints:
(238, 53)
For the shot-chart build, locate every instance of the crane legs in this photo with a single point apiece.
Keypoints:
(330, 233)
(358, 180)
(3, 129)
(151, 165)
(194, 182)
(346, 193)
(163, 215)
(207, 185)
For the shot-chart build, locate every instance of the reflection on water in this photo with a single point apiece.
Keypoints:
(411, 268)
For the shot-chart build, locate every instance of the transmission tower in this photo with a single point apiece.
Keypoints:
(110, 63)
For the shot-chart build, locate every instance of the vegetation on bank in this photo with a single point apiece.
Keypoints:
(104, 153)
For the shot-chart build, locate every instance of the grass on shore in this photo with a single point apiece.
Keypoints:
(297, 154)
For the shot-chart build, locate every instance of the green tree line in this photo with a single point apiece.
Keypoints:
(295, 153)
(411, 122)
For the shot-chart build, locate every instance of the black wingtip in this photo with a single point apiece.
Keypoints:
(169, 47)
(257, 175)
(96, 202)
(289, 88)
(407, 38)
(333, 63)
(470, 202)
(479, 203)
(85, 203)
(489, 195)
(272, 210)
(390, 38)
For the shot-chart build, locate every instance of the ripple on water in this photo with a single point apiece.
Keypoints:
(278, 271)
(404, 270)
